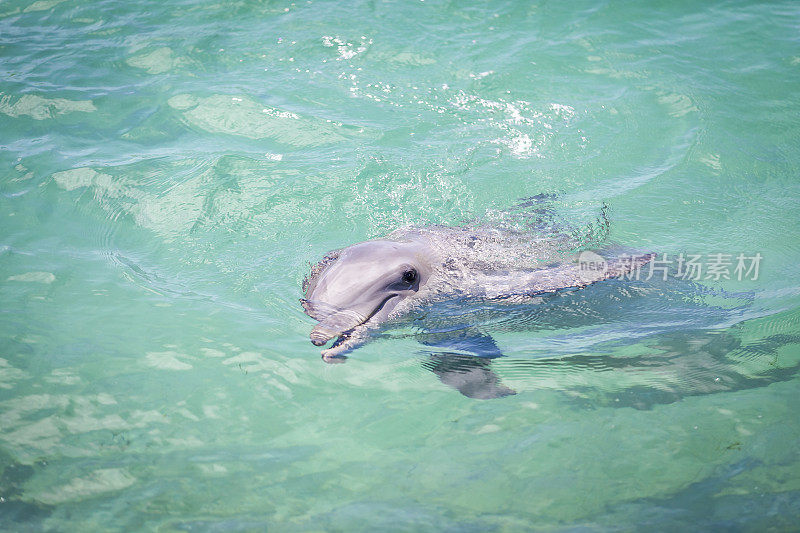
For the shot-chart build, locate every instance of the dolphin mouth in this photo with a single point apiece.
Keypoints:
(341, 325)
(319, 340)
(341, 339)
(324, 332)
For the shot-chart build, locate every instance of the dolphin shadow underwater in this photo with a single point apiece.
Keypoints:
(355, 292)
(685, 337)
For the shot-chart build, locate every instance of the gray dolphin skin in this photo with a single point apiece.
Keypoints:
(354, 290)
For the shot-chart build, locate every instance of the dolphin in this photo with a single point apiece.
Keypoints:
(353, 291)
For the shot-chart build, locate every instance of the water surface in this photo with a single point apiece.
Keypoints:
(169, 170)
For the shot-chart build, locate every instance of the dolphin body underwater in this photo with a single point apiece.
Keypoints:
(355, 290)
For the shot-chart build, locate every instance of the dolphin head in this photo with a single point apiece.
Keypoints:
(359, 286)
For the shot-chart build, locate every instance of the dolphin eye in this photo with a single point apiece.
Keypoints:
(410, 276)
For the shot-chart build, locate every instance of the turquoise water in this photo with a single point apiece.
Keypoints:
(170, 171)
